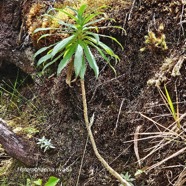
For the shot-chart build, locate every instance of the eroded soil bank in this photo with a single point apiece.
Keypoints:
(120, 103)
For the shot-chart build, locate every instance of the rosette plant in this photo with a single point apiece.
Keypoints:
(75, 50)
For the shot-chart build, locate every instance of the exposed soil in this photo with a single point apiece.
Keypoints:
(14, 44)
(117, 102)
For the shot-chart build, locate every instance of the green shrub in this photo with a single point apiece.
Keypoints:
(77, 46)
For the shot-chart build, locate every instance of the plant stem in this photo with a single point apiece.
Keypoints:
(88, 126)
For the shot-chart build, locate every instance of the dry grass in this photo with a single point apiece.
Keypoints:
(163, 137)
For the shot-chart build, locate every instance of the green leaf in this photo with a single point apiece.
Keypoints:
(67, 24)
(94, 13)
(66, 59)
(91, 28)
(104, 27)
(82, 9)
(52, 181)
(61, 45)
(80, 16)
(169, 100)
(78, 59)
(53, 61)
(42, 50)
(83, 69)
(104, 57)
(118, 27)
(60, 21)
(96, 36)
(74, 10)
(90, 17)
(112, 38)
(138, 172)
(68, 14)
(38, 182)
(28, 182)
(43, 36)
(95, 21)
(91, 60)
(44, 29)
(98, 49)
(108, 50)
(44, 59)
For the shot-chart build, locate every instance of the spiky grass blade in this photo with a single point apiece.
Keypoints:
(169, 100)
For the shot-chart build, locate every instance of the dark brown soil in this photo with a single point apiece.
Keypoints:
(116, 102)
(14, 44)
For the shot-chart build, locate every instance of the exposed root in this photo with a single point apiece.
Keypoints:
(166, 159)
(88, 126)
(136, 144)
(181, 179)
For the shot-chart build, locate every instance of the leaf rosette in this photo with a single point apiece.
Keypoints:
(82, 36)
